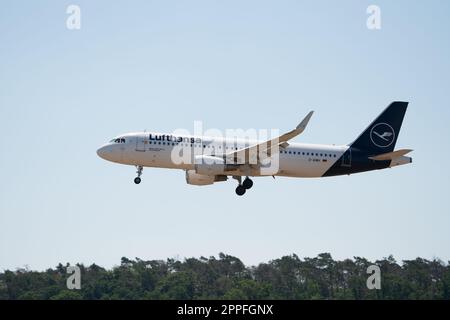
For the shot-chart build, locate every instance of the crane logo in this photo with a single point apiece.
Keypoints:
(382, 135)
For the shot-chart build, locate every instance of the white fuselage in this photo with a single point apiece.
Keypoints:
(207, 160)
(156, 150)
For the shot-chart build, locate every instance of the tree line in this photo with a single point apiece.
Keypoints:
(226, 277)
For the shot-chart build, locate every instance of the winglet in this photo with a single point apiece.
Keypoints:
(302, 126)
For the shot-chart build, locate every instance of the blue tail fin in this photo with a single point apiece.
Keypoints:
(381, 135)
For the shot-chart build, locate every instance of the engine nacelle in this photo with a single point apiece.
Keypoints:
(198, 179)
(210, 165)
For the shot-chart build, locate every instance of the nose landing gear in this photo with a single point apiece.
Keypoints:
(137, 180)
(243, 186)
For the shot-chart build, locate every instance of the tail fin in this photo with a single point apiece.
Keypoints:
(381, 136)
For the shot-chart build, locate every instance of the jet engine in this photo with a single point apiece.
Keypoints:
(198, 179)
(202, 179)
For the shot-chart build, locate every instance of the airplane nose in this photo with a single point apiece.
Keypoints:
(102, 152)
(110, 153)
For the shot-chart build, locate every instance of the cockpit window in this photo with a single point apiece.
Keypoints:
(118, 140)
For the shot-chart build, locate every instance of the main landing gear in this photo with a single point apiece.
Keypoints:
(137, 180)
(243, 186)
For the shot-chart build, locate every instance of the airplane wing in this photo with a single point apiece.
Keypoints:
(254, 152)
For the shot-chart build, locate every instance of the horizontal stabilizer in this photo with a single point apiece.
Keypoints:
(391, 155)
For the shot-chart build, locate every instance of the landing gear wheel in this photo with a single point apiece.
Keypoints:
(248, 183)
(240, 190)
(137, 180)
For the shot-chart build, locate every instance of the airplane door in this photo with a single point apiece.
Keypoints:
(141, 143)
(347, 158)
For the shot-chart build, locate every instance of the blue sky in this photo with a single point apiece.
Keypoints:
(161, 65)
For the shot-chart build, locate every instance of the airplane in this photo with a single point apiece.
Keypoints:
(215, 159)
